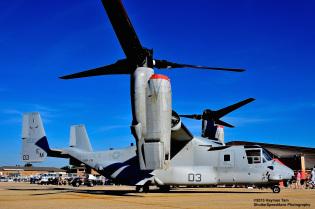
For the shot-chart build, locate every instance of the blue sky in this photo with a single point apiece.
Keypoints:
(273, 40)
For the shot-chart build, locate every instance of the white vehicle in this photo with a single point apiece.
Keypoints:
(47, 178)
(3, 179)
(91, 177)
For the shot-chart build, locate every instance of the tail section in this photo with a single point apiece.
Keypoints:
(34, 141)
(79, 138)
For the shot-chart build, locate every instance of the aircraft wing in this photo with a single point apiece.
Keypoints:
(179, 139)
(57, 153)
(182, 134)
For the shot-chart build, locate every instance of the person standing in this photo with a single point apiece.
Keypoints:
(298, 180)
(313, 176)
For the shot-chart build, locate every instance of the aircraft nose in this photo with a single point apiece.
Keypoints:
(291, 174)
(287, 173)
(281, 172)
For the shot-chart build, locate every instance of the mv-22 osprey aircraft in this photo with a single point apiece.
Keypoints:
(166, 153)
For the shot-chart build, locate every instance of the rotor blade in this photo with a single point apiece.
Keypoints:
(124, 30)
(120, 67)
(222, 112)
(222, 123)
(195, 116)
(162, 64)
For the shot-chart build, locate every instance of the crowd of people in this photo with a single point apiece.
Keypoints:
(301, 181)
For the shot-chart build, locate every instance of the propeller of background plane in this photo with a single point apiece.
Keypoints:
(136, 54)
(215, 115)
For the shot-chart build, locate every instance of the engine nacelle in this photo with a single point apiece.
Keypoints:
(152, 118)
(212, 131)
(158, 122)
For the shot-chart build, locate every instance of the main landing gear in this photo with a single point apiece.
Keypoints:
(145, 188)
(142, 189)
(165, 188)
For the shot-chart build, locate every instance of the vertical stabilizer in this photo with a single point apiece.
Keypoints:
(33, 135)
(79, 138)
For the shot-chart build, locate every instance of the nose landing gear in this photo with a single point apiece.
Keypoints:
(275, 189)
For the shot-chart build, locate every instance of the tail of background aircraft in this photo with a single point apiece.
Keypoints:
(79, 138)
(35, 146)
(34, 141)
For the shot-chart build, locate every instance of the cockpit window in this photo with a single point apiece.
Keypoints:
(266, 155)
(253, 156)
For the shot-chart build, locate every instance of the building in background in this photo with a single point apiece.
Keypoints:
(16, 171)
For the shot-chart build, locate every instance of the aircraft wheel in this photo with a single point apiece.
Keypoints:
(275, 189)
(146, 188)
(139, 189)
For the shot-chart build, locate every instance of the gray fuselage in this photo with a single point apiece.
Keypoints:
(200, 162)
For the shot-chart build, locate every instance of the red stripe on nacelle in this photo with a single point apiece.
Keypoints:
(159, 76)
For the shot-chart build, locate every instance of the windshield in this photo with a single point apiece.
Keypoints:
(267, 155)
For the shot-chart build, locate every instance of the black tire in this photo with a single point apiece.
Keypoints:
(146, 188)
(77, 184)
(275, 189)
(139, 189)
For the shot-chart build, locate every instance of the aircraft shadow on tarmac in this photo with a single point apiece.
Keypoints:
(56, 190)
